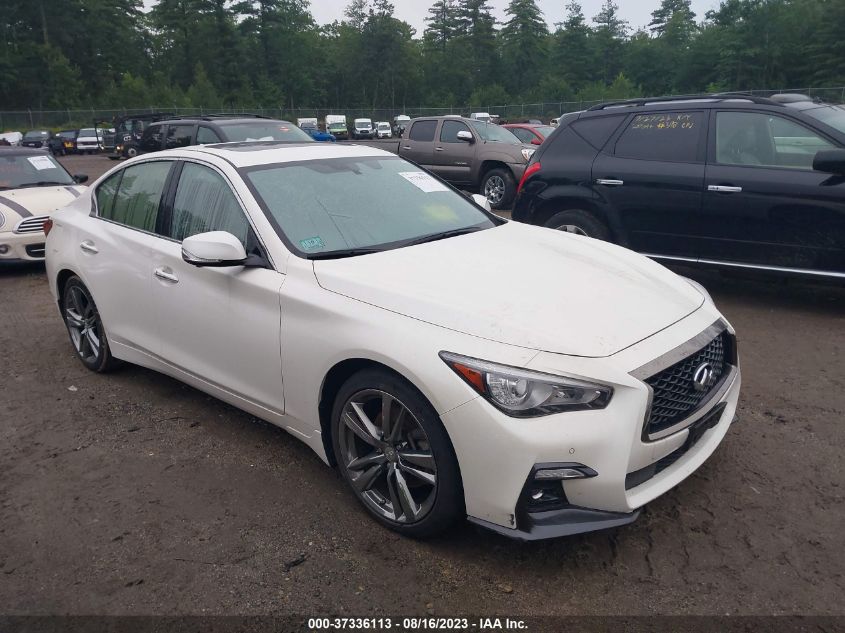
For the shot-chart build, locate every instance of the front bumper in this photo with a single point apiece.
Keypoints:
(498, 454)
(28, 247)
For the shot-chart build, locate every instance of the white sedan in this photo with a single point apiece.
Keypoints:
(451, 364)
(32, 186)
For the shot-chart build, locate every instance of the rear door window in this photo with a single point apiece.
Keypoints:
(138, 196)
(152, 139)
(664, 136)
(423, 131)
(179, 136)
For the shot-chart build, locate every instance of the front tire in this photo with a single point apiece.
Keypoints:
(85, 327)
(579, 222)
(395, 454)
(499, 187)
(131, 152)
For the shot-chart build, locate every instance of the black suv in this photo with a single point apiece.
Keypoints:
(203, 130)
(729, 180)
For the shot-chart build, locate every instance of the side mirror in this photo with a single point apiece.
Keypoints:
(463, 135)
(536, 141)
(216, 248)
(80, 178)
(830, 161)
(480, 200)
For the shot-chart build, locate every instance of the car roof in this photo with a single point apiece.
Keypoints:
(11, 150)
(251, 153)
(218, 121)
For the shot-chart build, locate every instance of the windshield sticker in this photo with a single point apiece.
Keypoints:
(41, 162)
(311, 243)
(423, 181)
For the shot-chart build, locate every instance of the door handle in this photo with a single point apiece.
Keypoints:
(161, 273)
(88, 247)
(438, 149)
(609, 182)
(724, 189)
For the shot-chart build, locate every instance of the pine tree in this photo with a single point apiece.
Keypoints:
(442, 23)
(572, 57)
(524, 45)
(607, 39)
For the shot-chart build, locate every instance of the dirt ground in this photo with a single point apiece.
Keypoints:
(131, 493)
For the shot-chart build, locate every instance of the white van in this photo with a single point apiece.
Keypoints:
(362, 128)
(383, 130)
(480, 116)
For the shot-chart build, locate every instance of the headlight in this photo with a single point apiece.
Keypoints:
(527, 154)
(527, 394)
(2, 219)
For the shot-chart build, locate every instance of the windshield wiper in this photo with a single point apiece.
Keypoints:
(443, 235)
(348, 252)
(44, 183)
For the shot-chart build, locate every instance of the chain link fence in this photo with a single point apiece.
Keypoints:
(73, 118)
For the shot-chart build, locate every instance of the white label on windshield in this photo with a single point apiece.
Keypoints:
(423, 181)
(41, 162)
(263, 138)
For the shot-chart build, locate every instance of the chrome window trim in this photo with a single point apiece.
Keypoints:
(780, 269)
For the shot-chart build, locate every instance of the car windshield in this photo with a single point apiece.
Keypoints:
(28, 170)
(36, 134)
(495, 133)
(326, 206)
(337, 126)
(264, 131)
(383, 126)
(67, 134)
(362, 124)
(89, 131)
(834, 116)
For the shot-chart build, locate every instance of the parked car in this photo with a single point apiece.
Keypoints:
(185, 131)
(469, 153)
(438, 391)
(383, 130)
(36, 139)
(400, 122)
(11, 138)
(726, 180)
(33, 185)
(336, 125)
(123, 142)
(531, 134)
(88, 141)
(64, 142)
(480, 116)
(362, 128)
(317, 134)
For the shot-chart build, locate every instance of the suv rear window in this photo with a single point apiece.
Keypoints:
(423, 131)
(667, 136)
(597, 130)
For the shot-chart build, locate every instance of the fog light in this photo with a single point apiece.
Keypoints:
(4, 248)
(564, 472)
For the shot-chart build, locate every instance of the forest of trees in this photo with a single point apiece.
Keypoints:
(59, 54)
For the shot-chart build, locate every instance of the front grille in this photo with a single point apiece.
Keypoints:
(674, 394)
(35, 250)
(34, 224)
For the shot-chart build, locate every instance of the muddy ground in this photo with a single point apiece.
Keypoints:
(131, 493)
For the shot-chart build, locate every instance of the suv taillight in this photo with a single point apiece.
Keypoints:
(529, 171)
(48, 225)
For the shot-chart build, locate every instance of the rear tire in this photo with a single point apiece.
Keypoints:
(499, 187)
(404, 472)
(85, 327)
(579, 222)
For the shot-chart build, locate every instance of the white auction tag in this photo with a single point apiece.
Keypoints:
(41, 162)
(423, 181)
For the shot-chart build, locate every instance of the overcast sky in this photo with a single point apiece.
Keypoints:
(637, 12)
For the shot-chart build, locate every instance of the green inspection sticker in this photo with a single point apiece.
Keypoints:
(311, 243)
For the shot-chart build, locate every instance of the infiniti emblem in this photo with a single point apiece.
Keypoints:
(702, 379)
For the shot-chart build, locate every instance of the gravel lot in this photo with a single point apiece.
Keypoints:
(134, 494)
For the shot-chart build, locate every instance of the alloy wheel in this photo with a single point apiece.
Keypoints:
(83, 324)
(387, 456)
(494, 189)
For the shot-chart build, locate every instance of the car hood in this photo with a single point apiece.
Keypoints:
(521, 285)
(19, 204)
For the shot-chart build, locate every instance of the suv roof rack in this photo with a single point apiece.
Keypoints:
(719, 96)
(211, 117)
